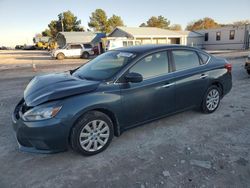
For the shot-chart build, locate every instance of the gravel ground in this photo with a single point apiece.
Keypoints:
(189, 149)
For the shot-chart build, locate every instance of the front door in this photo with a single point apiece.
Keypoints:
(154, 96)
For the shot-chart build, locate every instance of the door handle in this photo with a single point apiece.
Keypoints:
(168, 85)
(203, 76)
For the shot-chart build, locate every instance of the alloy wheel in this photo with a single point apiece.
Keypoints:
(213, 98)
(94, 135)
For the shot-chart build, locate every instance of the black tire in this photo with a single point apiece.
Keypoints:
(81, 124)
(248, 71)
(60, 56)
(85, 55)
(205, 108)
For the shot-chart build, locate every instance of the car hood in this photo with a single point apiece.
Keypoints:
(55, 86)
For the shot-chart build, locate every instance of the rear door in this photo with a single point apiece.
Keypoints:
(154, 96)
(191, 79)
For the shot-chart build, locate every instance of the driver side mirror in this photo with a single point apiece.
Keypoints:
(133, 77)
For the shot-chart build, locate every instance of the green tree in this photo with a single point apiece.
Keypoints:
(66, 21)
(143, 25)
(175, 27)
(99, 21)
(205, 23)
(160, 22)
(53, 28)
(114, 21)
(46, 33)
(70, 21)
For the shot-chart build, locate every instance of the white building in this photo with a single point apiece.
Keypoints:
(153, 35)
(226, 38)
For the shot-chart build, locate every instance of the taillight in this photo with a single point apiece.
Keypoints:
(228, 66)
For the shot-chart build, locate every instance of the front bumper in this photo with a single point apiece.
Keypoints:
(46, 136)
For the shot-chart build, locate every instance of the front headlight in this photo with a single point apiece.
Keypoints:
(41, 113)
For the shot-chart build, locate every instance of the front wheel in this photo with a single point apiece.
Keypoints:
(211, 99)
(92, 133)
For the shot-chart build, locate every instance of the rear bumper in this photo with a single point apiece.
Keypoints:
(47, 136)
(227, 83)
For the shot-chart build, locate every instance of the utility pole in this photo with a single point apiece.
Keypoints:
(62, 22)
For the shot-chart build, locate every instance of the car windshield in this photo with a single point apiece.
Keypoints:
(104, 66)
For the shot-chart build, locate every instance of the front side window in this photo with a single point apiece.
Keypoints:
(87, 45)
(218, 35)
(231, 35)
(185, 59)
(152, 65)
(104, 66)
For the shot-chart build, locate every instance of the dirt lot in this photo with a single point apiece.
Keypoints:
(188, 149)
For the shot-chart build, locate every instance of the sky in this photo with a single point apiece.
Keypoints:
(20, 20)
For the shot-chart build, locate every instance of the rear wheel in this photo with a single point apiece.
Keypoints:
(211, 99)
(85, 55)
(60, 56)
(92, 133)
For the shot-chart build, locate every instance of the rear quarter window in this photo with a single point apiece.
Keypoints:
(204, 58)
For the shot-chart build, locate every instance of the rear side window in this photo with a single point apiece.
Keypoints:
(185, 59)
(152, 65)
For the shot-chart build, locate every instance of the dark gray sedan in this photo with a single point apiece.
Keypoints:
(84, 108)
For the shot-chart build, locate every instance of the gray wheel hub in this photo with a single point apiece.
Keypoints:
(94, 135)
(213, 99)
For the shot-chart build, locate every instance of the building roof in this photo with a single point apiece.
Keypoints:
(225, 28)
(147, 32)
(80, 37)
(190, 33)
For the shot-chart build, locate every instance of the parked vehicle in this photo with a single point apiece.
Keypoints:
(117, 90)
(247, 65)
(29, 47)
(96, 50)
(19, 47)
(73, 51)
(5, 48)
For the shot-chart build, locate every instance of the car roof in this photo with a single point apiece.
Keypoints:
(152, 47)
